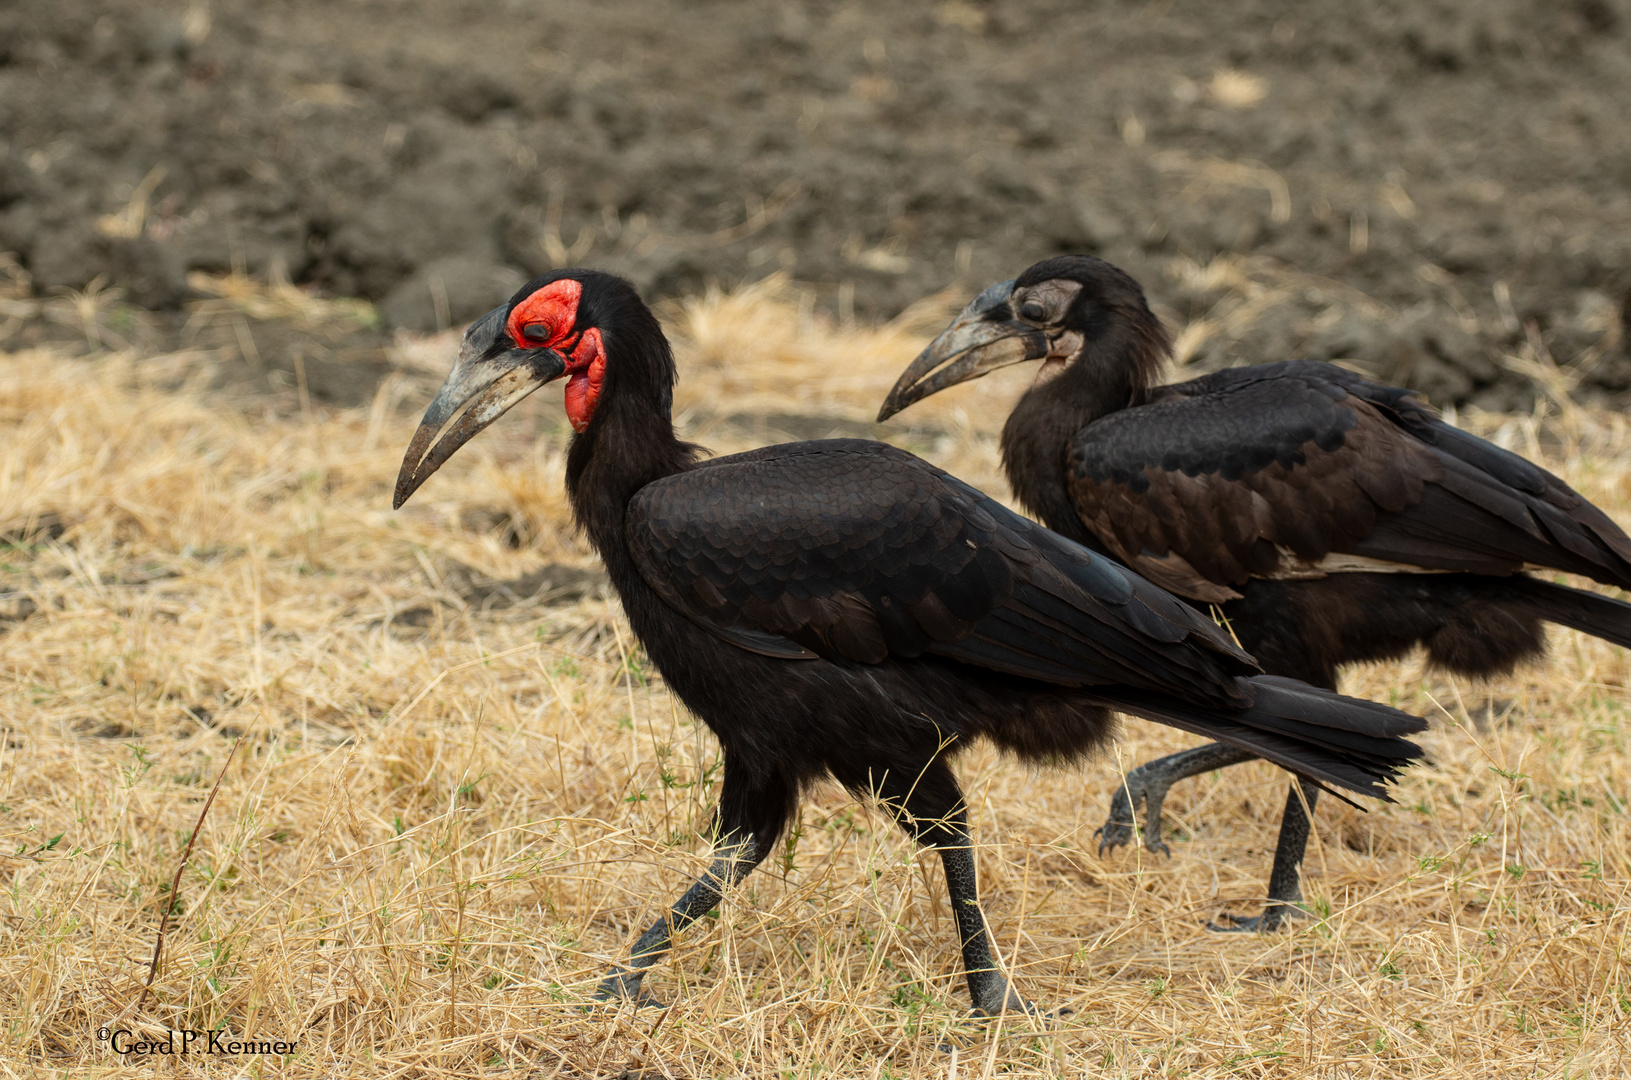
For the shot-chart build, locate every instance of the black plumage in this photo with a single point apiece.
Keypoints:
(844, 609)
(1332, 518)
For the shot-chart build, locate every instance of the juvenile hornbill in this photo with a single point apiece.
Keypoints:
(843, 608)
(1333, 519)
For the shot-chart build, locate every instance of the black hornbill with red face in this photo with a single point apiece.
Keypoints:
(1332, 518)
(843, 608)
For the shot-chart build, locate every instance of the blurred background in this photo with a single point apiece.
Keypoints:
(1426, 188)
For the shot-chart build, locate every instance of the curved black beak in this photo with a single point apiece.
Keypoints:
(983, 338)
(490, 376)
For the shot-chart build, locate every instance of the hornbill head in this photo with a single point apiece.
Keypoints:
(558, 324)
(1052, 312)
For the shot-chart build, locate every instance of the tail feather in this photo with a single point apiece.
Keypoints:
(1327, 708)
(1333, 740)
(1588, 612)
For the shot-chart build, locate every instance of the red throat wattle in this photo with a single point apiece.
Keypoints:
(548, 319)
(587, 371)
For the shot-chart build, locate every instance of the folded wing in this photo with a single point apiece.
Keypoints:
(1300, 469)
(854, 550)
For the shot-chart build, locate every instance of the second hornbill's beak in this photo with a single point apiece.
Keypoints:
(984, 337)
(490, 376)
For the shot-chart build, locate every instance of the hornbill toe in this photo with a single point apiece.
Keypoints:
(1117, 830)
(1276, 916)
(624, 986)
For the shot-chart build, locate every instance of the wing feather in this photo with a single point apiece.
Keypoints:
(856, 551)
(1267, 471)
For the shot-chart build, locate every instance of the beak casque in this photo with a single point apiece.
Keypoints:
(981, 339)
(487, 380)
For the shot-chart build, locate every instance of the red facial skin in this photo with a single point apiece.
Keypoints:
(547, 319)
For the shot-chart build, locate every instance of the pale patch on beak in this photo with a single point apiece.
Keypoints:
(489, 378)
(983, 338)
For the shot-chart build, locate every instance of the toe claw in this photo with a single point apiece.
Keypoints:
(1123, 822)
(1111, 835)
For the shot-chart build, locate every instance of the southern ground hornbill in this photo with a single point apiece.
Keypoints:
(843, 608)
(1331, 518)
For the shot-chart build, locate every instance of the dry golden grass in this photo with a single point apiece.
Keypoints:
(445, 820)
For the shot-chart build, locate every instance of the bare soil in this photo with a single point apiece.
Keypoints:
(1422, 187)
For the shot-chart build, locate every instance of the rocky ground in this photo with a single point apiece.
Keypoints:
(1427, 188)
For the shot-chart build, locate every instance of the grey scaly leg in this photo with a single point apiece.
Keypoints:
(1285, 891)
(930, 808)
(751, 813)
(732, 862)
(988, 988)
(1148, 784)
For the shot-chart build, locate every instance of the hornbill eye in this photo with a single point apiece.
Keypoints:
(1033, 311)
(536, 332)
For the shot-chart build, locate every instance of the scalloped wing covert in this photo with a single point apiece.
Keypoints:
(1266, 471)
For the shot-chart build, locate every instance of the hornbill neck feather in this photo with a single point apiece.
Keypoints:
(1116, 369)
(629, 443)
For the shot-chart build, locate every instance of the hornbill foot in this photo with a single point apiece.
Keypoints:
(1118, 829)
(1013, 1005)
(622, 985)
(1276, 915)
(997, 995)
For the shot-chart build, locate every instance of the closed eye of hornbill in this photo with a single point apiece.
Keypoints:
(1332, 518)
(844, 609)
